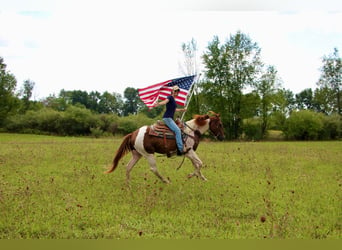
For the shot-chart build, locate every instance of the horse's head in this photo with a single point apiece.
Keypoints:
(215, 125)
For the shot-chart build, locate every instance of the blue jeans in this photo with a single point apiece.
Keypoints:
(173, 126)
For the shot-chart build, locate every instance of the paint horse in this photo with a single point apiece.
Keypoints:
(145, 142)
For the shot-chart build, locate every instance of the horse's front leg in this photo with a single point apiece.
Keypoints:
(153, 167)
(196, 161)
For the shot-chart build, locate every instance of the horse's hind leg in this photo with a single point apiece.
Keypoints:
(135, 158)
(153, 167)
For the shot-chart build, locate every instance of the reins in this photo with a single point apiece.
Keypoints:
(192, 137)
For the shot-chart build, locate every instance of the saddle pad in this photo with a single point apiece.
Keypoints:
(161, 131)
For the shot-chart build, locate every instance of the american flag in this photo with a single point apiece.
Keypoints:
(160, 91)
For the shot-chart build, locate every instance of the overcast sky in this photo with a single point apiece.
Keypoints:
(107, 45)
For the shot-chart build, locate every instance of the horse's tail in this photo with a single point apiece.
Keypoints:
(124, 148)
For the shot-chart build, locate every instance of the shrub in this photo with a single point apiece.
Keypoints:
(252, 129)
(332, 126)
(130, 123)
(48, 120)
(108, 123)
(96, 132)
(15, 123)
(77, 121)
(303, 125)
(37, 122)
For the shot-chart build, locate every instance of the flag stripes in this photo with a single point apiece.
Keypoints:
(160, 91)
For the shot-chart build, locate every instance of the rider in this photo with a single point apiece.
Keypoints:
(168, 118)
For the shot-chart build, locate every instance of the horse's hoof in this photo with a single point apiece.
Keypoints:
(167, 181)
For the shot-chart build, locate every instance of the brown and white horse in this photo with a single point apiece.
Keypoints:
(142, 143)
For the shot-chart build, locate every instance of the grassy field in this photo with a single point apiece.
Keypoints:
(54, 187)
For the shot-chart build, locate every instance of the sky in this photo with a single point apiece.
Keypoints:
(105, 45)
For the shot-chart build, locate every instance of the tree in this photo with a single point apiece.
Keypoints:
(250, 105)
(266, 90)
(322, 100)
(94, 98)
(55, 103)
(8, 100)
(26, 93)
(304, 99)
(188, 68)
(283, 105)
(331, 78)
(229, 69)
(132, 100)
(110, 103)
(80, 97)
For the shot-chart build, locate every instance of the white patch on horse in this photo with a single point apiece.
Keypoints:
(194, 126)
(139, 141)
(139, 147)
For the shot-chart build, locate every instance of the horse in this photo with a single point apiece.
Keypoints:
(144, 142)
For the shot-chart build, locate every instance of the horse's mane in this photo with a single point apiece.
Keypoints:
(200, 120)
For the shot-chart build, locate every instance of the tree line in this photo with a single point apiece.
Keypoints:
(236, 83)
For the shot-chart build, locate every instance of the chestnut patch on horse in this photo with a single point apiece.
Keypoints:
(200, 120)
(154, 144)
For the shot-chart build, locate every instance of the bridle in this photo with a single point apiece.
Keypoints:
(212, 133)
(217, 127)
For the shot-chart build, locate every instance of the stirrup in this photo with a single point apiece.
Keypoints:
(179, 153)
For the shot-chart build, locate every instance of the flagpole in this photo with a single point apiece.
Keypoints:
(192, 92)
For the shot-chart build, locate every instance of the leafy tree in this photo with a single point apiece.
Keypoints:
(331, 78)
(110, 103)
(26, 93)
(250, 105)
(66, 96)
(305, 99)
(266, 90)
(8, 100)
(27, 90)
(94, 98)
(322, 100)
(55, 103)
(131, 102)
(230, 67)
(80, 97)
(283, 104)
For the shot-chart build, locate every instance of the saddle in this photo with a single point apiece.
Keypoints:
(160, 129)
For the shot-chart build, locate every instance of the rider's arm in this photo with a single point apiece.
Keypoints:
(161, 103)
(181, 110)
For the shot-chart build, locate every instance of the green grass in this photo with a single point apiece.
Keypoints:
(54, 187)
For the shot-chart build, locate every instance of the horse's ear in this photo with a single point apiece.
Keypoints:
(212, 113)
